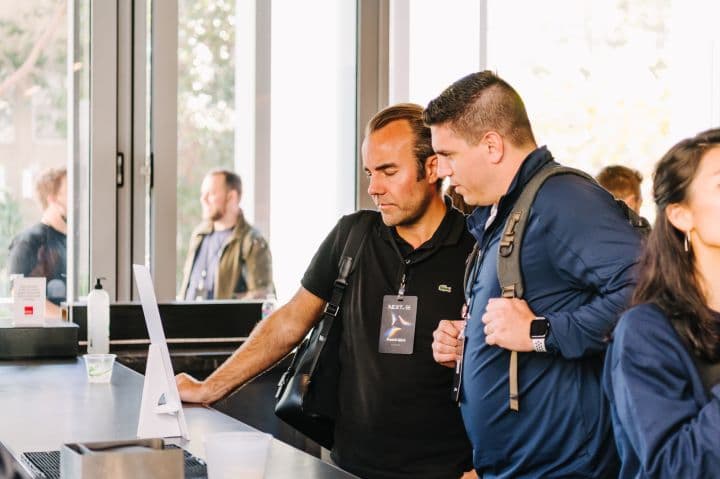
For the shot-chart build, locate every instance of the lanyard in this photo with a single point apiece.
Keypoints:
(474, 262)
(471, 279)
(405, 263)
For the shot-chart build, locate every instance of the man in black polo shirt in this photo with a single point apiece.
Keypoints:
(396, 418)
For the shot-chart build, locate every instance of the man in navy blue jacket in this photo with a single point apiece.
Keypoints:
(577, 261)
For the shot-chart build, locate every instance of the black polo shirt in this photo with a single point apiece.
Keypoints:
(396, 417)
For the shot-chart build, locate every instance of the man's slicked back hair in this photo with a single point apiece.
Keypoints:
(413, 115)
(478, 103)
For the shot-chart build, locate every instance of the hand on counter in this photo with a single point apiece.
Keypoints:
(192, 390)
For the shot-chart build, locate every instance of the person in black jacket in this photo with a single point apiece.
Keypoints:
(41, 250)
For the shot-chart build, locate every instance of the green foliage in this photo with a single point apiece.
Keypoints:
(19, 34)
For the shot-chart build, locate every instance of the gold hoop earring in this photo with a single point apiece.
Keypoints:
(687, 242)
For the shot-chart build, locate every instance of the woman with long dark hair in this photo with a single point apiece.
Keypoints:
(659, 374)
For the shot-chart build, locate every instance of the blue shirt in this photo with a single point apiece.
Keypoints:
(204, 270)
(577, 260)
(665, 424)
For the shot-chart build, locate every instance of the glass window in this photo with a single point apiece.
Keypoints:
(609, 82)
(39, 135)
(432, 44)
(312, 130)
(206, 106)
(275, 102)
(79, 181)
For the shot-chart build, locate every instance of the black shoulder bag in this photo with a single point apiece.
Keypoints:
(307, 391)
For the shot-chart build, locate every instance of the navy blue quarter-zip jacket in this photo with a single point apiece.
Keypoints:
(665, 423)
(577, 259)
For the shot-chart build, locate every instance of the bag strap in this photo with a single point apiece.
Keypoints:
(508, 263)
(348, 259)
(636, 221)
(709, 372)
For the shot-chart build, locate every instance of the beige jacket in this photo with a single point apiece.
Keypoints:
(245, 253)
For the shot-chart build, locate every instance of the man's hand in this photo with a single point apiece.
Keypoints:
(445, 342)
(507, 324)
(471, 474)
(192, 390)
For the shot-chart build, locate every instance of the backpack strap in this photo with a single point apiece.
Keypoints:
(508, 263)
(636, 221)
(709, 372)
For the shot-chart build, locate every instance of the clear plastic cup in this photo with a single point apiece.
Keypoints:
(99, 367)
(237, 454)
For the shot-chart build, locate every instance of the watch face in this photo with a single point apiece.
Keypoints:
(539, 328)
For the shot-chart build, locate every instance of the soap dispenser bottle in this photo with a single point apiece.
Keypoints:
(98, 320)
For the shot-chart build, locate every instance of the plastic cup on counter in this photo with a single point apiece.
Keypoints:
(237, 454)
(99, 367)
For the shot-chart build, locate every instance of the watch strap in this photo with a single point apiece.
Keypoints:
(539, 345)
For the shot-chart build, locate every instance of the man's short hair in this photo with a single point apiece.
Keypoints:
(478, 103)
(48, 183)
(621, 181)
(413, 114)
(232, 180)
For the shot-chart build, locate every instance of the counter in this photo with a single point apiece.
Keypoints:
(44, 404)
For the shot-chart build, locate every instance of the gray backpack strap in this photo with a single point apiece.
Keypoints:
(508, 263)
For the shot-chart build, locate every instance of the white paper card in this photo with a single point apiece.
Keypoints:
(28, 301)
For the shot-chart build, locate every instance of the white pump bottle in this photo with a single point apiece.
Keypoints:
(98, 320)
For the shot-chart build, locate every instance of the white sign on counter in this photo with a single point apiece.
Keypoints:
(28, 301)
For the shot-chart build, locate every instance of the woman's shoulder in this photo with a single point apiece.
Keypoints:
(644, 311)
(641, 318)
(645, 327)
